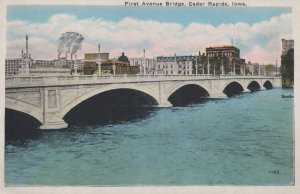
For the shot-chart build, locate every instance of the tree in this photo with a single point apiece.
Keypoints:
(270, 68)
(287, 67)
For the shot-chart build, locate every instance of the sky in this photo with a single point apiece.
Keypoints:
(256, 31)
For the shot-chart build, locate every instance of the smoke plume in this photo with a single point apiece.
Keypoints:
(69, 42)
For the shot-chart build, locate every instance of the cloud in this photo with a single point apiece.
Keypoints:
(260, 42)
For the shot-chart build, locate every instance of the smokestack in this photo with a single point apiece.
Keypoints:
(26, 46)
(98, 47)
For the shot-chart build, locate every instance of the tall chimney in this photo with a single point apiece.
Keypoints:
(26, 46)
(98, 47)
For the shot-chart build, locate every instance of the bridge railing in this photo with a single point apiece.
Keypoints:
(22, 81)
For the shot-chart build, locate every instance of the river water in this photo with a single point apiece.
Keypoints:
(243, 140)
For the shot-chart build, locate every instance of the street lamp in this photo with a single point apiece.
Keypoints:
(222, 67)
(196, 65)
(233, 67)
(144, 62)
(208, 66)
(276, 68)
(202, 61)
(98, 61)
(214, 69)
(114, 68)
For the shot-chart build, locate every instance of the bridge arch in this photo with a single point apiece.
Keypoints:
(233, 88)
(177, 86)
(253, 85)
(268, 85)
(71, 104)
(187, 93)
(24, 107)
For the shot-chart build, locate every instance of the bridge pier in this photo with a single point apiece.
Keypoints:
(54, 123)
(218, 96)
(164, 104)
(247, 90)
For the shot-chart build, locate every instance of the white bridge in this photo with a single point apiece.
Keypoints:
(48, 99)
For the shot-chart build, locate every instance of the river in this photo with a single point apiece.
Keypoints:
(243, 140)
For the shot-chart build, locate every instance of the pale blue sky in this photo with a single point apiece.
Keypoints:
(182, 15)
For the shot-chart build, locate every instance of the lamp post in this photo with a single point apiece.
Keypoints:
(276, 68)
(75, 65)
(214, 69)
(222, 67)
(208, 67)
(144, 63)
(233, 67)
(26, 66)
(202, 61)
(114, 68)
(196, 65)
(98, 60)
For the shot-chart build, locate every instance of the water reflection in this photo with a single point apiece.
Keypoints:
(80, 120)
(20, 126)
(107, 115)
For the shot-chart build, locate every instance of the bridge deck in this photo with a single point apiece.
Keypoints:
(35, 81)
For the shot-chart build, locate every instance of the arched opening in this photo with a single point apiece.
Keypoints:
(20, 126)
(110, 107)
(253, 86)
(188, 94)
(232, 89)
(268, 85)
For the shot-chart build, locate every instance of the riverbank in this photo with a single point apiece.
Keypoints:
(287, 84)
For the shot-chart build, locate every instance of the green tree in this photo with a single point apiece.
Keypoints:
(287, 67)
(270, 68)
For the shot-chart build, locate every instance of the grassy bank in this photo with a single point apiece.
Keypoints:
(287, 83)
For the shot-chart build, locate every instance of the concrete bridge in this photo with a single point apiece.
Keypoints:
(48, 99)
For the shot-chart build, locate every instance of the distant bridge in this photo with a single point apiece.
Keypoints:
(50, 98)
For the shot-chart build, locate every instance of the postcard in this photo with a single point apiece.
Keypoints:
(149, 96)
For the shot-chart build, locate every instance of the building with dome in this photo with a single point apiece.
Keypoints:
(109, 66)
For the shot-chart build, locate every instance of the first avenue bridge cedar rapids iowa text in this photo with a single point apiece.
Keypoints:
(48, 99)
